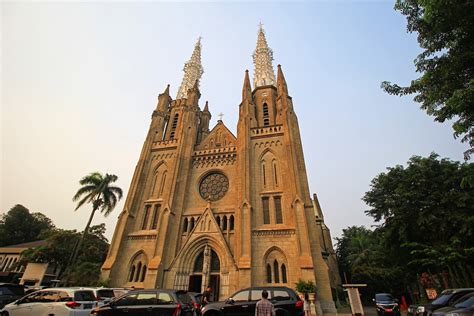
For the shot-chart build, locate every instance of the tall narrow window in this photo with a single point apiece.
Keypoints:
(266, 210)
(231, 223)
(155, 185)
(263, 175)
(283, 273)
(185, 225)
(132, 273)
(266, 117)
(145, 216)
(143, 273)
(162, 185)
(275, 175)
(156, 212)
(278, 213)
(224, 223)
(218, 220)
(191, 224)
(174, 125)
(276, 272)
(269, 273)
(139, 269)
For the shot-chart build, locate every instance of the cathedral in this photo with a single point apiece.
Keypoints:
(207, 207)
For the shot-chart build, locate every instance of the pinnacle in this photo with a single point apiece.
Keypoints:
(247, 89)
(262, 59)
(281, 82)
(192, 72)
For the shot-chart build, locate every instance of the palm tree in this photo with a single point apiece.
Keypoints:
(96, 189)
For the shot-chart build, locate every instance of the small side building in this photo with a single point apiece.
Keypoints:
(30, 274)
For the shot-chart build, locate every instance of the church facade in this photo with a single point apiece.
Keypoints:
(207, 207)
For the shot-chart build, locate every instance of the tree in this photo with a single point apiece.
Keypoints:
(427, 215)
(96, 189)
(18, 226)
(446, 87)
(58, 252)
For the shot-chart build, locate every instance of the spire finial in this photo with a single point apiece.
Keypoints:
(262, 59)
(192, 71)
(221, 115)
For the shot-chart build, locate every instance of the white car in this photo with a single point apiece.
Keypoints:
(54, 301)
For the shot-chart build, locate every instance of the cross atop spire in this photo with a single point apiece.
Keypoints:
(192, 71)
(262, 59)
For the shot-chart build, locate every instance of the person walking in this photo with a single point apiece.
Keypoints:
(307, 305)
(206, 296)
(264, 307)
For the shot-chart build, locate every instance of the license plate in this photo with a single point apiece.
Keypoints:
(388, 310)
(87, 306)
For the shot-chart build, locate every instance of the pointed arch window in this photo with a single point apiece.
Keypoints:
(155, 184)
(139, 268)
(224, 223)
(218, 220)
(191, 224)
(275, 174)
(283, 273)
(269, 273)
(215, 263)
(132, 274)
(199, 263)
(162, 185)
(264, 175)
(185, 225)
(145, 217)
(266, 116)
(276, 272)
(156, 213)
(231, 223)
(143, 273)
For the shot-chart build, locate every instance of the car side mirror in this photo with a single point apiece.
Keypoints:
(229, 301)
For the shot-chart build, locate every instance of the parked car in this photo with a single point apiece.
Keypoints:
(386, 305)
(197, 302)
(54, 301)
(464, 302)
(285, 301)
(103, 295)
(10, 292)
(446, 298)
(464, 312)
(157, 302)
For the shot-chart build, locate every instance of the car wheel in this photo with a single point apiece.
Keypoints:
(4, 314)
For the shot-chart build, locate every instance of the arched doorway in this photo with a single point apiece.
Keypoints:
(206, 272)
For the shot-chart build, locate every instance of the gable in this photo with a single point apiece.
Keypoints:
(219, 137)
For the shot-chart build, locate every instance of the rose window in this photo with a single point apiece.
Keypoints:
(214, 186)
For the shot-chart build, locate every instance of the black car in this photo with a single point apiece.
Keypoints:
(386, 305)
(10, 292)
(446, 298)
(467, 301)
(154, 302)
(285, 301)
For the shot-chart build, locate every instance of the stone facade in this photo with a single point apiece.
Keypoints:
(206, 207)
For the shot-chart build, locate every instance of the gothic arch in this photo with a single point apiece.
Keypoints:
(137, 267)
(276, 265)
(159, 176)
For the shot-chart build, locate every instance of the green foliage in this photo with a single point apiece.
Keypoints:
(60, 244)
(445, 89)
(18, 226)
(305, 286)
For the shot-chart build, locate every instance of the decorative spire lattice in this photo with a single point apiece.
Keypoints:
(262, 59)
(192, 71)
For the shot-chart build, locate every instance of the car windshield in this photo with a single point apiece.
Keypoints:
(383, 297)
(443, 299)
(11, 290)
(466, 303)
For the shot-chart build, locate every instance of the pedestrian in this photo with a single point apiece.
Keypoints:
(206, 296)
(264, 307)
(307, 305)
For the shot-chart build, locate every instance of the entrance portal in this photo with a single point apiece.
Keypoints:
(206, 272)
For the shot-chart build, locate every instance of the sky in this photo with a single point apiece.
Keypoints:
(79, 81)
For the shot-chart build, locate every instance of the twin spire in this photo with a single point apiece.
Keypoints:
(263, 72)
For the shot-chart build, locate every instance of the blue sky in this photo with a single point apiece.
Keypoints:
(80, 80)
